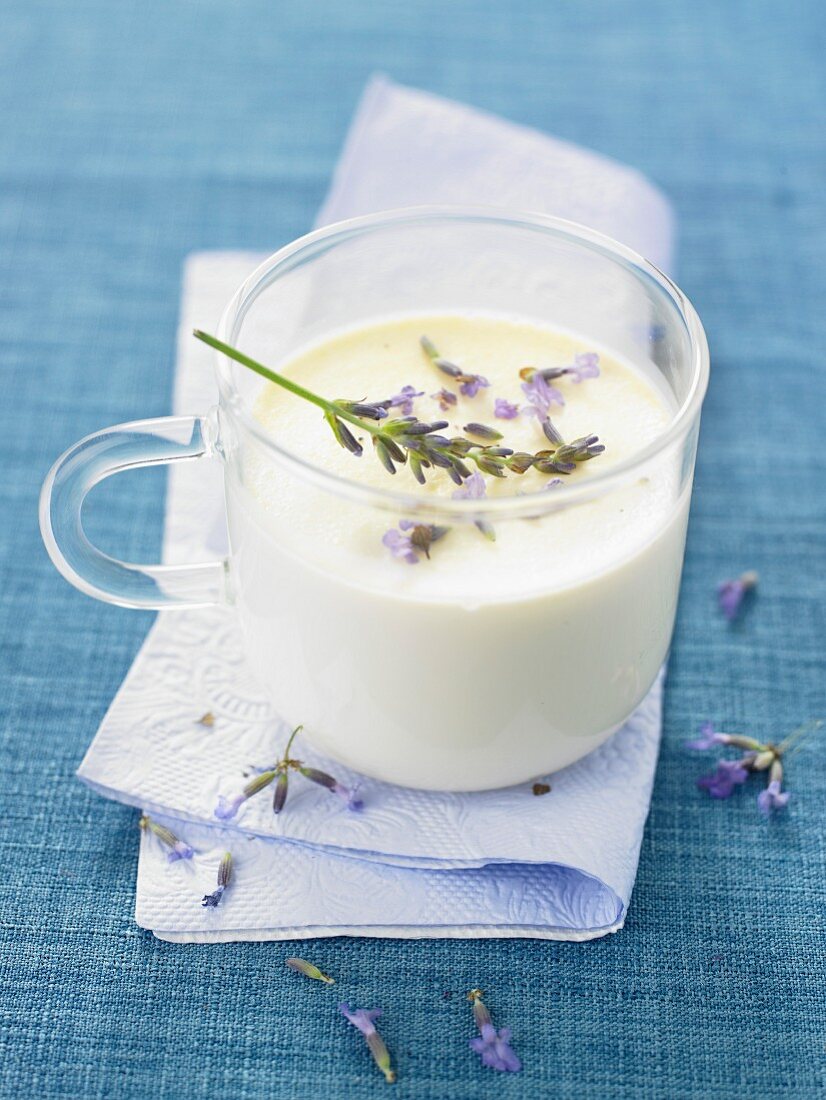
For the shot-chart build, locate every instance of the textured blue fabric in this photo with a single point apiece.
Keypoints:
(133, 133)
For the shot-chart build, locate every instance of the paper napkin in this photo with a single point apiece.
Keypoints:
(502, 863)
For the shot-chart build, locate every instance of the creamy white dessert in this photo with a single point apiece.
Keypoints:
(490, 661)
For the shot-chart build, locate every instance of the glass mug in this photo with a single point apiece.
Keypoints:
(452, 693)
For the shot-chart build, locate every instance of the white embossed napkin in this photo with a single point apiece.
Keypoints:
(503, 863)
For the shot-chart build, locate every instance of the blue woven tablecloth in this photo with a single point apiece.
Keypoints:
(133, 133)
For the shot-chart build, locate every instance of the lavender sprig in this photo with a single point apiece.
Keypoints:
(491, 1045)
(227, 808)
(213, 900)
(407, 439)
(757, 757)
(178, 849)
(363, 1019)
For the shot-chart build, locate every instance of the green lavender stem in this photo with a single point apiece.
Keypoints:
(285, 383)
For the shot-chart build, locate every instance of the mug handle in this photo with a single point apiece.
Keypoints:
(124, 447)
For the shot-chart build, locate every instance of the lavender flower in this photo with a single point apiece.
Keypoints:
(541, 396)
(348, 795)
(364, 1020)
(403, 400)
(708, 738)
(729, 774)
(491, 1045)
(469, 384)
(309, 970)
(472, 383)
(178, 849)
(213, 900)
(586, 365)
(227, 808)
(731, 593)
(400, 545)
(411, 539)
(772, 798)
(445, 398)
(504, 409)
(554, 483)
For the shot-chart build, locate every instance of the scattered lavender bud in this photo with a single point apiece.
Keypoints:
(448, 368)
(482, 431)
(178, 849)
(280, 793)
(211, 901)
(541, 788)
(309, 970)
(470, 384)
(729, 774)
(445, 398)
(551, 432)
(504, 409)
(491, 1045)
(731, 594)
(554, 483)
(772, 798)
(428, 347)
(348, 795)
(364, 1020)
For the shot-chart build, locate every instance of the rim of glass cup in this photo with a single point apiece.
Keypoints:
(525, 504)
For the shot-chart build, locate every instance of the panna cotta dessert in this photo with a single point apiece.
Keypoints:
(468, 621)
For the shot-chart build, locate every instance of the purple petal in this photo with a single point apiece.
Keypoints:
(227, 808)
(504, 409)
(721, 784)
(772, 798)
(180, 850)
(586, 365)
(361, 1018)
(474, 488)
(349, 796)
(708, 738)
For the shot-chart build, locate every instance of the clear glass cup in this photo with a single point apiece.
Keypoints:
(458, 692)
